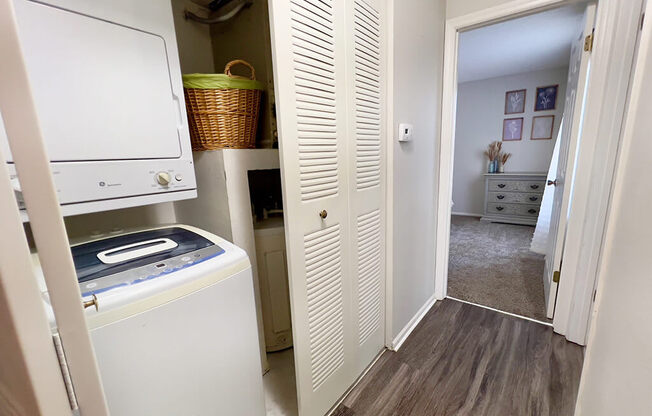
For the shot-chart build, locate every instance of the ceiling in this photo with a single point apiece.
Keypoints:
(531, 43)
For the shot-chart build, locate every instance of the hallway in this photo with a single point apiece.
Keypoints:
(466, 360)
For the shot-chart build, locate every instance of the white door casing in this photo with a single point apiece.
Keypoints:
(51, 241)
(617, 26)
(30, 375)
(578, 69)
(328, 94)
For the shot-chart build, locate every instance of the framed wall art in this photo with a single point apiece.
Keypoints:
(512, 129)
(546, 98)
(542, 127)
(515, 101)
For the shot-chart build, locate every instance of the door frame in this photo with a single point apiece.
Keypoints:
(612, 61)
(389, 174)
(46, 222)
(36, 386)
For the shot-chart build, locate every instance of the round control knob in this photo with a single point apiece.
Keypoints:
(163, 178)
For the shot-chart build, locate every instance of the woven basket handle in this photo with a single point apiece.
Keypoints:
(227, 69)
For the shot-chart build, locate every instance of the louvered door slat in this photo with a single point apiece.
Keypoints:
(315, 85)
(366, 102)
(369, 284)
(325, 313)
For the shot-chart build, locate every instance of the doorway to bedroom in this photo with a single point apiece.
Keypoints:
(516, 137)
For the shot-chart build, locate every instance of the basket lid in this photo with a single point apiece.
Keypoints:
(220, 82)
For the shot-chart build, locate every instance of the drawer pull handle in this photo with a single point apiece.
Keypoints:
(501, 185)
(534, 186)
(500, 208)
(532, 211)
(323, 214)
(500, 196)
(534, 198)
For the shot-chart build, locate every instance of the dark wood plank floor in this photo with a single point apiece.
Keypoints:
(467, 360)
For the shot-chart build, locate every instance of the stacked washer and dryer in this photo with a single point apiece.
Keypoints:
(170, 310)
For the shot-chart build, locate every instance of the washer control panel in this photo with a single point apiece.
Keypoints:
(148, 272)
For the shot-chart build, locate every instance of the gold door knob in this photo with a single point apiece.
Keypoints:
(92, 302)
(323, 214)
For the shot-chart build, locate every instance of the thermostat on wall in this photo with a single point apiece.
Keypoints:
(405, 132)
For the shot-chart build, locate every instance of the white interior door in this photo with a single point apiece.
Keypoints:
(308, 43)
(578, 69)
(329, 67)
(366, 90)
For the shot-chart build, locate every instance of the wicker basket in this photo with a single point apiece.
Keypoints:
(226, 117)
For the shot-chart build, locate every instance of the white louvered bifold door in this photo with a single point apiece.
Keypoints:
(309, 52)
(366, 161)
(327, 69)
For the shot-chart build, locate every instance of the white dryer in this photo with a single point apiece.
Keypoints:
(174, 331)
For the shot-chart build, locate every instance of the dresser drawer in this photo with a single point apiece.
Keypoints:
(509, 185)
(515, 197)
(513, 209)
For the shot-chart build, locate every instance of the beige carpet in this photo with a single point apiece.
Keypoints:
(491, 264)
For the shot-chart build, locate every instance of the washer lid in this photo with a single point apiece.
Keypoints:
(113, 255)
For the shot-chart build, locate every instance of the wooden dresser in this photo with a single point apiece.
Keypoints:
(513, 197)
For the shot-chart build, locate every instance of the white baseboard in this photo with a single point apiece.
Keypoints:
(407, 330)
(466, 214)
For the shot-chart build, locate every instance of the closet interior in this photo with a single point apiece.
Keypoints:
(241, 197)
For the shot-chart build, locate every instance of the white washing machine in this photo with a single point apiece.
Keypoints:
(174, 331)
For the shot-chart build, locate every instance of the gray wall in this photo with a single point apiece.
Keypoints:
(193, 39)
(480, 115)
(419, 41)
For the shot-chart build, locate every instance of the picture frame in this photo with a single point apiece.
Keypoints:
(512, 129)
(545, 98)
(542, 127)
(515, 101)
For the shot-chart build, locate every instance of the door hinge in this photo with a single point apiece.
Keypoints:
(642, 21)
(555, 276)
(65, 372)
(588, 43)
(595, 292)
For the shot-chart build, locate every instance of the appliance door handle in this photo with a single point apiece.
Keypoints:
(140, 249)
